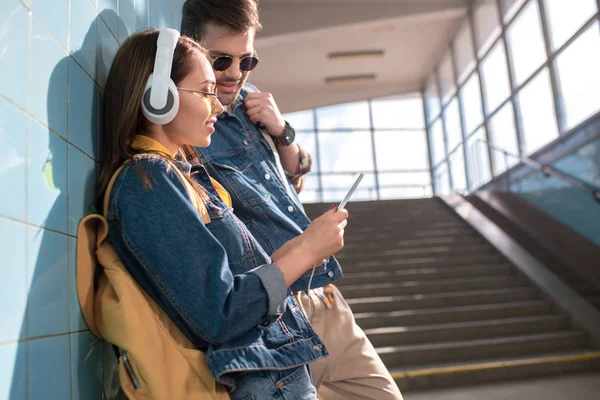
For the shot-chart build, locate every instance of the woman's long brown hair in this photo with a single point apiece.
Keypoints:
(122, 114)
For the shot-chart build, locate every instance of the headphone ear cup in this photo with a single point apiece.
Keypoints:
(168, 112)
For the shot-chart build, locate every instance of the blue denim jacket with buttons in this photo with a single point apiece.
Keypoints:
(241, 160)
(213, 280)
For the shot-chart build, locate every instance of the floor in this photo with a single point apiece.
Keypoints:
(572, 387)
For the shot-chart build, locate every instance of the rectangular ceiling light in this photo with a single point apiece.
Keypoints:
(350, 78)
(340, 55)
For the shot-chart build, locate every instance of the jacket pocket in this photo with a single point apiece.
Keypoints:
(239, 178)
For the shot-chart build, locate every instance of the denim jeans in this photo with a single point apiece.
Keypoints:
(289, 384)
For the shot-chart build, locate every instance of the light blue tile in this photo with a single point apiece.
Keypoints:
(54, 15)
(50, 368)
(48, 277)
(13, 371)
(77, 323)
(14, 40)
(127, 16)
(84, 42)
(83, 110)
(107, 49)
(47, 179)
(108, 10)
(13, 157)
(86, 366)
(13, 280)
(82, 186)
(47, 93)
(141, 10)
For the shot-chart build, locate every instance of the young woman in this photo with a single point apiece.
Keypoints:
(188, 251)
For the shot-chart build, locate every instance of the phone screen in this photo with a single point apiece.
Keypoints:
(350, 192)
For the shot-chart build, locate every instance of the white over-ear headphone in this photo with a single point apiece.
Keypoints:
(160, 102)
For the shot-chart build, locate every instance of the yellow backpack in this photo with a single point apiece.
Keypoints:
(156, 360)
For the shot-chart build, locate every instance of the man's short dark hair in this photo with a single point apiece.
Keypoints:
(238, 15)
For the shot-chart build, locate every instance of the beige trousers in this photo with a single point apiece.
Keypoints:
(353, 369)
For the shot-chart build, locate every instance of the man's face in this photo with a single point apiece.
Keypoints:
(221, 41)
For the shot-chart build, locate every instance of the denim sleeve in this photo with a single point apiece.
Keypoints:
(181, 264)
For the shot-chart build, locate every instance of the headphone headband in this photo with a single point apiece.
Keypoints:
(167, 41)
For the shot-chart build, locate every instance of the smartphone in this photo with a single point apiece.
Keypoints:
(350, 192)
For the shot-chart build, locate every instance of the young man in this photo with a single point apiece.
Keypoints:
(254, 155)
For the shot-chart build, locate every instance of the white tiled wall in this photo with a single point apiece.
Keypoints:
(55, 56)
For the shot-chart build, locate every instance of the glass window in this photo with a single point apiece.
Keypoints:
(405, 193)
(566, 17)
(457, 169)
(579, 77)
(510, 8)
(526, 43)
(503, 135)
(463, 52)
(361, 194)
(387, 179)
(442, 180)
(479, 159)
(309, 196)
(438, 147)
(399, 112)
(336, 186)
(348, 116)
(495, 77)
(432, 98)
(401, 150)
(487, 25)
(537, 113)
(308, 143)
(471, 102)
(446, 73)
(301, 120)
(453, 127)
(345, 151)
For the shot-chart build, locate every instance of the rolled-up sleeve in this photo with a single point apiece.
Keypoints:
(305, 165)
(178, 261)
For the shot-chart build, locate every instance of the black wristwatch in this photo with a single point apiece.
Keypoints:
(288, 136)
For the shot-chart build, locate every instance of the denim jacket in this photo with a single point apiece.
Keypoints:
(213, 280)
(241, 160)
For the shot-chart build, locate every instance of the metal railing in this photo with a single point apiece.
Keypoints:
(546, 170)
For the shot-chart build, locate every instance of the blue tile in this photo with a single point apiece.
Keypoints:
(13, 371)
(48, 277)
(47, 179)
(83, 110)
(127, 16)
(82, 186)
(13, 281)
(84, 41)
(86, 366)
(141, 11)
(108, 11)
(50, 368)
(13, 156)
(14, 42)
(54, 15)
(77, 323)
(47, 93)
(107, 49)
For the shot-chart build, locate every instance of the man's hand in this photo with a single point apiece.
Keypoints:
(261, 107)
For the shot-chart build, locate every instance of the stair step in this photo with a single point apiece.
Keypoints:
(352, 265)
(438, 300)
(406, 234)
(442, 315)
(501, 369)
(512, 346)
(406, 227)
(394, 253)
(394, 243)
(486, 329)
(432, 286)
(419, 274)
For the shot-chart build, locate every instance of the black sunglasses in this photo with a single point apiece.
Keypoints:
(247, 63)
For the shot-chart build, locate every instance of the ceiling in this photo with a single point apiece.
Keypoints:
(298, 35)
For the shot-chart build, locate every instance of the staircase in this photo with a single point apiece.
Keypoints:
(442, 306)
